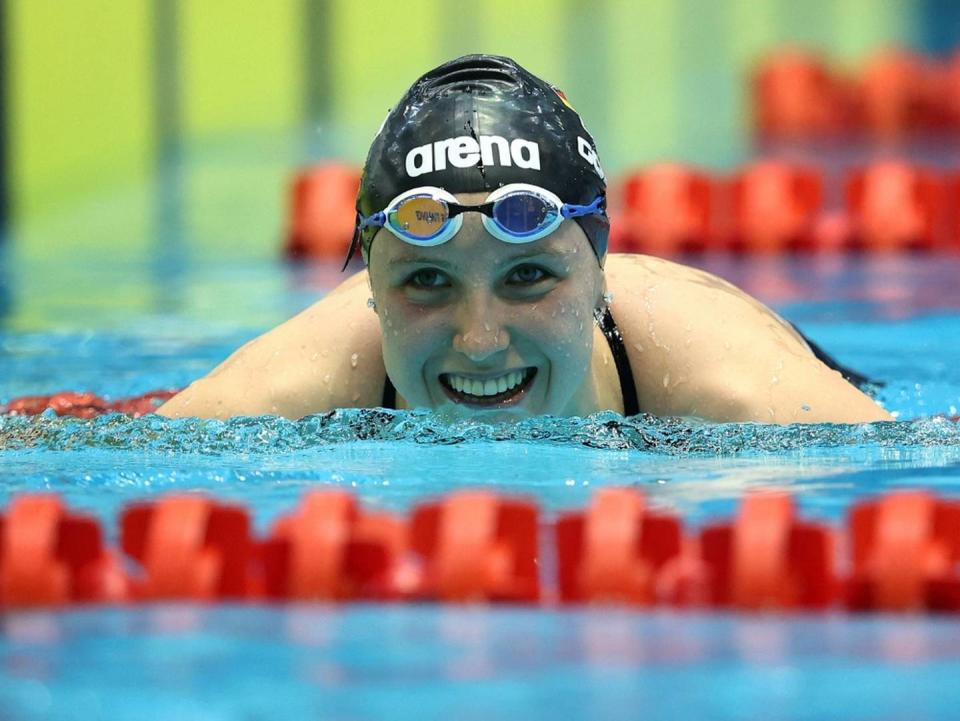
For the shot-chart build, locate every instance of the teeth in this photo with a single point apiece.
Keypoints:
(489, 387)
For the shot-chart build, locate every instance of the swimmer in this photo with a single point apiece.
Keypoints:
(489, 293)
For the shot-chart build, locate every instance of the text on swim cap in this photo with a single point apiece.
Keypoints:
(465, 151)
(590, 155)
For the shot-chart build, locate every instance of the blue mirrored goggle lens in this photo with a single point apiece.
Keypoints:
(523, 213)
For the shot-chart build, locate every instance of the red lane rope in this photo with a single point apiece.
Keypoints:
(764, 207)
(86, 405)
(897, 552)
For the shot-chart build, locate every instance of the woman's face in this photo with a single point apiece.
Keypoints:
(477, 326)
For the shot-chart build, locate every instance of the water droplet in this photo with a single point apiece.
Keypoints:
(666, 380)
(353, 361)
(638, 347)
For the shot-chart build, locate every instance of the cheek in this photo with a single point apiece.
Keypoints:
(410, 336)
(563, 323)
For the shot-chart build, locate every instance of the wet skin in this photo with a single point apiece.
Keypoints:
(476, 308)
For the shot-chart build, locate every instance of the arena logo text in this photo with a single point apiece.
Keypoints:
(465, 151)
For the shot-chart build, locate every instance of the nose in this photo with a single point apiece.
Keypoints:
(480, 333)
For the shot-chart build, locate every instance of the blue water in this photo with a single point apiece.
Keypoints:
(119, 329)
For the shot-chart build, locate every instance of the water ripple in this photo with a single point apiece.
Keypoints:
(270, 434)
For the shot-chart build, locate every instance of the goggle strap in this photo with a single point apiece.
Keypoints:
(576, 211)
(377, 219)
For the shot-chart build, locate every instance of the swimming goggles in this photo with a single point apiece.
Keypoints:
(515, 213)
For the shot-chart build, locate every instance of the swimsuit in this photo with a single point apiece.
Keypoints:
(614, 338)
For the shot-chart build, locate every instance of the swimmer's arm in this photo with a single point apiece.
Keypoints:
(759, 371)
(329, 356)
(763, 390)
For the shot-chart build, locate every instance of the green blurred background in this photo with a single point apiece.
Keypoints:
(137, 127)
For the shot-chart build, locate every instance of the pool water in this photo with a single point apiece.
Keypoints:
(124, 328)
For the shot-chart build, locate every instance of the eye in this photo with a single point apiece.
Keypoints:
(528, 275)
(427, 278)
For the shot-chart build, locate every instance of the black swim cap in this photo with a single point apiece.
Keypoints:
(475, 124)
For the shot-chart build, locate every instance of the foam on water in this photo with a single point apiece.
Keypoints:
(271, 434)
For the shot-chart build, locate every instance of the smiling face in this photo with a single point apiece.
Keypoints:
(479, 326)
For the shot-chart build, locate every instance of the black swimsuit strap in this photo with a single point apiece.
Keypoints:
(389, 395)
(608, 326)
(611, 332)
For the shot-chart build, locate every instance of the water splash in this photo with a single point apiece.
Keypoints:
(270, 434)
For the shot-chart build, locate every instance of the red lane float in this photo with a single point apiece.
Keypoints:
(897, 95)
(774, 206)
(476, 546)
(322, 212)
(795, 96)
(893, 96)
(615, 551)
(327, 550)
(190, 548)
(86, 405)
(666, 209)
(66, 403)
(901, 552)
(895, 206)
(51, 557)
(906, 547)
(769, 559)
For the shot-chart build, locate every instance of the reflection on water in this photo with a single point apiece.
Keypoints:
(472, 662)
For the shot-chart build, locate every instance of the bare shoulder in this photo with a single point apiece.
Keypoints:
(328, 356)
(700, 346)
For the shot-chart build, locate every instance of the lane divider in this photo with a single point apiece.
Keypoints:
(764, 207)
(899, 552)
(85, 404)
